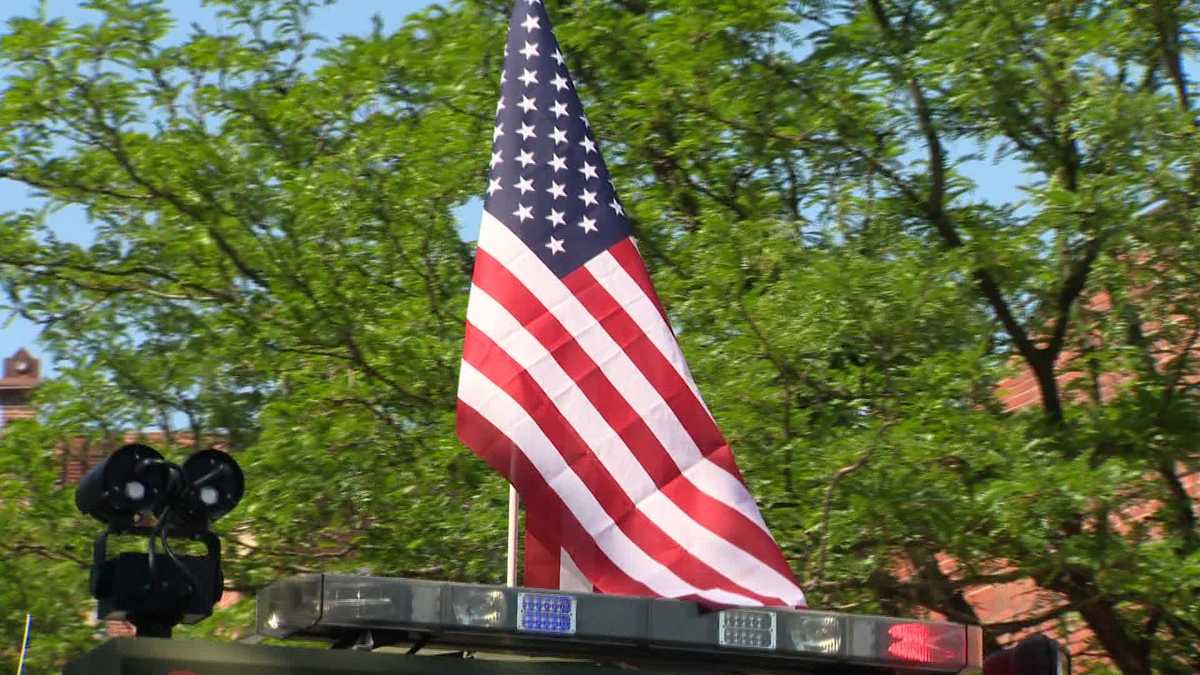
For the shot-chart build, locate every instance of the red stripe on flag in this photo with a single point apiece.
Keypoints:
(651, 362)
(495, 364)
(626, 253)
(501, 453)
(718, 517)
(506, 289)
(543, 547)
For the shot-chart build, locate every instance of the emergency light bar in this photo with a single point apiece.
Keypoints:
(337, 607)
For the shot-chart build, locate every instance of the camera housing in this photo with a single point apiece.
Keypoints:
(135, 491)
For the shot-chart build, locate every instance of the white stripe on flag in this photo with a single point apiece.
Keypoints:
(492, 319)
(613, 278)
(570, 578)
(515, 256)
(495, 405)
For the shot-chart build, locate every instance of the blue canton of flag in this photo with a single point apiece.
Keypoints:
(548, 182)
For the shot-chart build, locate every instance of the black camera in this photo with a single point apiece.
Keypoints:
(135, 491)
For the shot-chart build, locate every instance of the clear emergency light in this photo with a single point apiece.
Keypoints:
(474, 616)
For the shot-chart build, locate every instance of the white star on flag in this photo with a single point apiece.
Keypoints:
(588, 144)
(560, 109)
(531, 23)
(557, 189)
(528, 77)
(559, 163)
(588, 197)
(493, 186)
(559, 82)
(525, 158)
(527, 104)
(526, 131)
(530, 50)
(523, 212)
(556, 217)
(588, 224)
(525, 185)
(559, 135)
(588, 171)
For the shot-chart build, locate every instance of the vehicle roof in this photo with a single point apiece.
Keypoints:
(152, 656)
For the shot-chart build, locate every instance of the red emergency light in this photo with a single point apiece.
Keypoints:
(926, 644)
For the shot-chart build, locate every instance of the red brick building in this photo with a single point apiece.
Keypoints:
(1022, 599)
(22, 374)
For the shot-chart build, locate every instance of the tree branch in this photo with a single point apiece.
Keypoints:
(1072, 286)
(933, 205)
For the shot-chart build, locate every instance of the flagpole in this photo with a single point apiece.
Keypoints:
(24, 644)
(513, 515)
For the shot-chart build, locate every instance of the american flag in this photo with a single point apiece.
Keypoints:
(572, 384)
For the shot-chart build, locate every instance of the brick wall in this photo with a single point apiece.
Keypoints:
(1022, 599)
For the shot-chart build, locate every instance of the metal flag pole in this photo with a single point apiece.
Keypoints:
(24, 644)
(513, 517)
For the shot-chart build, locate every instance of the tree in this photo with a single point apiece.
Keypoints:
(277, 262)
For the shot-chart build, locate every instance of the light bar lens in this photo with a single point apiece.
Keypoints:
(364, 601)
(919, 643)
(479, 608)
(816, 634)
(927, 644)
(546, 613)
(975, 646)
(286, 608)
(746, 628)
(358, 601)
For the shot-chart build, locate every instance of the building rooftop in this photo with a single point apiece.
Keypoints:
(21, 371)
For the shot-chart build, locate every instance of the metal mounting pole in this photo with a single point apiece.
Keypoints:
(24, 644)
(513, 517)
